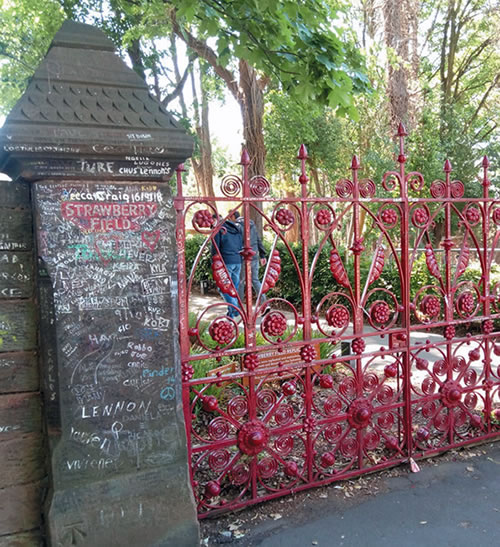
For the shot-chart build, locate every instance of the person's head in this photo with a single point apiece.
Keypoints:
(236, 215)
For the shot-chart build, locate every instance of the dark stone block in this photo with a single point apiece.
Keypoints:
(15, 194)
(20, 508)
(114, 393)
(20, 413)
(144, 508)
(17, 326)
(16, 232)
(26, 539)
(22, 460)
(18, 372)
(16, 274)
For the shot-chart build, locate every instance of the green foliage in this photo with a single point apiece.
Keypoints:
(331, 141)
(293, 43)
(192, 246)
(460, 90)
(323, 281)
(27, 29)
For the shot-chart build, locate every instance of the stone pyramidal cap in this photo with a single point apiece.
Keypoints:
(85, 113)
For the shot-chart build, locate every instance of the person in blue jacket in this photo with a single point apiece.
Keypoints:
(260, 258)
(229, 242)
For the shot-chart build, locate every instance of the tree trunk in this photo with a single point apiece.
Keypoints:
(292, 235)
(396, 37)
(202, 165)
(252, 111)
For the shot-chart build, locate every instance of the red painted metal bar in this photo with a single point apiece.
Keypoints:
(405, 290)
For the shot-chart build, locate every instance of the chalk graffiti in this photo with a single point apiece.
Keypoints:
(110, 253)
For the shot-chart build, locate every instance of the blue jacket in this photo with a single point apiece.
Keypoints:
(229, 242)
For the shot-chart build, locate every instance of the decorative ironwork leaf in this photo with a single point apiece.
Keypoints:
(430, 259)
(377, 265)
(273, 271)
(337, 268)
(221, 276)
(463, 259)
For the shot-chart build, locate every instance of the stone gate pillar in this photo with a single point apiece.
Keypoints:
(98, 151)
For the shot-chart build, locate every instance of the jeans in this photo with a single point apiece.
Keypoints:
(234, 271)
(256, 284)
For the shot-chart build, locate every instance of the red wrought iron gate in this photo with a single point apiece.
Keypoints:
(273, 401)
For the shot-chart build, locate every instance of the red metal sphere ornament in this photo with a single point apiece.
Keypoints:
(308, 353)
(337, 317)
(358, 345)
(274, 324)
(474, 354)
(451, 393)
(210, 403)
(476, 421)
(391, 443)
(187, 372)
(327, 459)
(449, 332)
(466, 303)
(488, 326)
(251, 361)
(291, 469)
(323, 217)
(360, 413)
(253, 437)
(289, 388)
(212, 489)
(472, 215)
(203, 219)
(391, 370)
(326, 381)
(389, 216)
(421, 364)
(430, 306)
(285, 217)
(420, 216)
(222, 331)
(381, 313)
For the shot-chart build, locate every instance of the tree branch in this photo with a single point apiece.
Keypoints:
(207, 53)
(180, 84)
(17, 60)
(483, 100)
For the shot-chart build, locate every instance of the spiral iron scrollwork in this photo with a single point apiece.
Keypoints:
(259, 186)
(231, 186)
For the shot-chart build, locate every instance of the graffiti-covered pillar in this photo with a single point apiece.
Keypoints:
(98, 151)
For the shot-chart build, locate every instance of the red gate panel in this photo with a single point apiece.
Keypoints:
(296, 394)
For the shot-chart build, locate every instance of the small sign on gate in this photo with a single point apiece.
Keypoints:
(290, 355)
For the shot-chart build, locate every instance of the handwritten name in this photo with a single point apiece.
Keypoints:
(120, 407)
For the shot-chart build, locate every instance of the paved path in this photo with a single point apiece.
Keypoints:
(454, 503)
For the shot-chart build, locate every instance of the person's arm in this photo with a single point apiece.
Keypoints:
(260, 245)
(262, 250)
(216, 244)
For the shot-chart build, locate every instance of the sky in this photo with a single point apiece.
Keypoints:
(226, 126)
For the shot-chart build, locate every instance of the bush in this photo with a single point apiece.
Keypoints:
(323, 281)
(204, 268)
(288, 286)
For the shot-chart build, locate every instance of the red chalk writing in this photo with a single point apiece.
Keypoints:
(106, 216)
